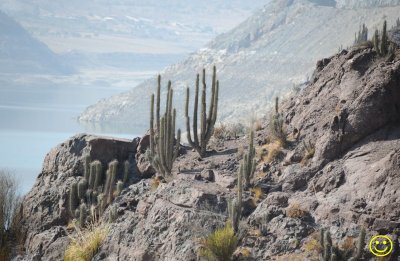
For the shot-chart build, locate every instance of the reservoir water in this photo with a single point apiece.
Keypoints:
(37, 114)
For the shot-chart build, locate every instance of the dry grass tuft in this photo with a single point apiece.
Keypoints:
(258, 195)
(243, 252)
(312, 246)
(295, 211)
(155, 182)
(289, 257)
(257, 125)
(269, 152)
(86, 243)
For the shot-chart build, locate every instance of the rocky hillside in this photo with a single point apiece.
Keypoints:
(259, 59)
(338, 171)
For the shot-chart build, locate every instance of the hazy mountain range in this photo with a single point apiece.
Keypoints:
(275, 48)
(20, 52)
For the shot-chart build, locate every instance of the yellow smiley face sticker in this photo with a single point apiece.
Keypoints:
(380, 245)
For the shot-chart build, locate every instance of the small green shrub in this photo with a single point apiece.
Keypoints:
(220, 245)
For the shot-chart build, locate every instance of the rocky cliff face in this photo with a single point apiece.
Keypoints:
(350, 113)
(259, 59)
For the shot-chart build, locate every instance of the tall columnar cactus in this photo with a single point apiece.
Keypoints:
(385, 41)
(207, 122)
(119, 187)
(277, 123)
(98, 180)
(235, 206)
(327, 246)
(82, 187)
(73, 198)
(249, 162)
(92, 175)
(376, 41)
(126, 173)
(86, 167)
(110, 182)
(360, 246)
(164, 149)
(82, 214)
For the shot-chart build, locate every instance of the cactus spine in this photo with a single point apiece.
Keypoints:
(235, 206)
(199, 143)
(73, 198)
(249, 161)
(163, 147)
(82, 187)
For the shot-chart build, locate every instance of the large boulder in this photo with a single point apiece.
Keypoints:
(45, 206)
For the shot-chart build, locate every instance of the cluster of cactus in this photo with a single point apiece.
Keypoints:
(235, 205)
(249, 161)
(277, 124)
(381, 41)
(333, 253)
(95, 190)
(207, 122)
(164, 148)
(362, 35)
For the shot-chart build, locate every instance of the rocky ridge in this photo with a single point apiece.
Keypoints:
(350, 114)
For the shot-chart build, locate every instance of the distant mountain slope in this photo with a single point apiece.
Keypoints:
(128, 25)
(272, 50)
(21, 53)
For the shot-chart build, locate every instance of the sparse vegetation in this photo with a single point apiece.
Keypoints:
(362, 35)
(10, 202)
(349, 252)
(381, 42)
(164, 149)
(85, 243)
(309, 151)
(258, 195)
(200, 140)
(220, 245)
(296, 211)
(269, 152)
(155, 182)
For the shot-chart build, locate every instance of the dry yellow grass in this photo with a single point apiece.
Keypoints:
(86, 243)
(155, 182)
(289, 257)
(258, 195)
(255, 233)
(295, 211)
(273, 149)
(243, 252)
(257, 125)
